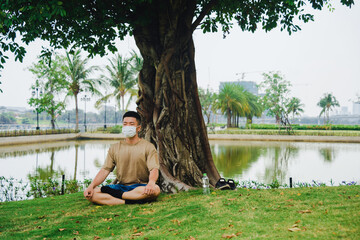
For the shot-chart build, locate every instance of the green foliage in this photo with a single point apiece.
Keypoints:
(252, 131)
(294, 107)
(327, 103)
(275, 184)
(309, 127)
(207, 101)
(94, 25)
(78, 80)
(12, 190)
(25, 120)
(16, 133)
(121, 77)
(78, 72)
(116, 129)
(276, 98)
(40, 188)
(50, 82)
(232, 100)
(7, 118)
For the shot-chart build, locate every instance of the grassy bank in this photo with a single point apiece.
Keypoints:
(301, 213)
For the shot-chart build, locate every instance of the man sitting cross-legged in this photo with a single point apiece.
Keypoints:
(137, 169)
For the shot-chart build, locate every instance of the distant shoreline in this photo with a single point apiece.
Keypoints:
(6, 141)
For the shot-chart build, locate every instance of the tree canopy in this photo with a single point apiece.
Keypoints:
(95, 25)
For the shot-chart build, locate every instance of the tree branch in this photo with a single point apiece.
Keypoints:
(203, 13)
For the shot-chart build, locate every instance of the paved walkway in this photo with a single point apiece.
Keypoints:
(236, 137)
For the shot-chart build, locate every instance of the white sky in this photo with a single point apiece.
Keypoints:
(323, 57)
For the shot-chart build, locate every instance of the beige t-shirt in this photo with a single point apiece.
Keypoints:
(133, 162)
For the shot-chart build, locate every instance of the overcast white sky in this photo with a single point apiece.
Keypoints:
(323, 57)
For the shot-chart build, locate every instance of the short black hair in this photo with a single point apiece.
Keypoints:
(132, 114)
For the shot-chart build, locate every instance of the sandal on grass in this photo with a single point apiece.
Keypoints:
(222, 184)
(231, 184)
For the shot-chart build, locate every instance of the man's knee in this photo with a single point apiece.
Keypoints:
(94, 197)
(157, 191)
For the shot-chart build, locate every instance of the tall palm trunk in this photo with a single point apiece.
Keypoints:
(228, 113)
(123, 103)
(76, 111)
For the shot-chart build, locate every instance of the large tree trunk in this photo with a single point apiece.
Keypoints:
(168, 96)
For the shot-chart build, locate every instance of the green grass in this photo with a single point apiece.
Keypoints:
(313, 213)
(342, 133)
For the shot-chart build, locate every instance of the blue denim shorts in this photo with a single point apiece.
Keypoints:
(125, 188)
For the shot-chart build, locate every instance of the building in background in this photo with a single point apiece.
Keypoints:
(356, 108)
(344, 110)
(249, 86)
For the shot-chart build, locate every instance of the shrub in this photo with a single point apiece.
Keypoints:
(309, 127)
(15, 133)
(116, 129)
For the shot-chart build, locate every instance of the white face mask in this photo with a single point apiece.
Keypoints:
(129, 131)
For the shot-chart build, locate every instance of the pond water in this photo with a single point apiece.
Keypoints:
(240, 160)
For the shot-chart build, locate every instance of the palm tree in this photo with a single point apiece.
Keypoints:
(295, 107)
(121, 77)
(255, 107)
(137, 62)
(232, 99)
(78, 78)
(327, 103)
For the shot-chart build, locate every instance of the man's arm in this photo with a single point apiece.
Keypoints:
(150, 187)
(99, 178)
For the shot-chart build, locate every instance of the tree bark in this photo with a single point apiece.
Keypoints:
(168, 96)
(228, 113)
(52, 114)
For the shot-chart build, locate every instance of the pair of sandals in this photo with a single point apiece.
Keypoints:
(222, 184)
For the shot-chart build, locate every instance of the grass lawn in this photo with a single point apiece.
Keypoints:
(299, 213)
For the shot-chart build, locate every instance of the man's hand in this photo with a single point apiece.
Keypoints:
(100, 177)
(88, 193)
(150, 188)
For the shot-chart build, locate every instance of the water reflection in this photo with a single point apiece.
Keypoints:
(74, 159)
(277, 168)
(232, 158)
(241, 160)
(304, 162)
(46, 171)
(235, 158)
(25, 150)
(327, 153)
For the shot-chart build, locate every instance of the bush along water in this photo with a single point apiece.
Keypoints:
(308, 127)
(15, 190)
(276, 184)
(114, 129)
(17, 133)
